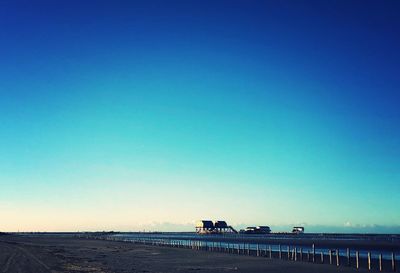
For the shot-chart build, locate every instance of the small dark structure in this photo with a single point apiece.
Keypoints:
(204, 226)
(222, 227)
(264, 229)
(220, 224)
(209, 227)
(298, 230)
(257, 230)
(249, 230)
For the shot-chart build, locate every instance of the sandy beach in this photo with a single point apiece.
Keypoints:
(62, 254)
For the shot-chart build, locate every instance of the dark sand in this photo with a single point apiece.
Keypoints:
(60, 254)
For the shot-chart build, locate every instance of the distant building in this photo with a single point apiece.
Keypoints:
(250, 229)
(220, 225)
(264, 229)
(257, 230)
(298, 230)
(210, 227)
(204, 226)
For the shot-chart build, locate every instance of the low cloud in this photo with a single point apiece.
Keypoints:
(164, 226)
(349, 227)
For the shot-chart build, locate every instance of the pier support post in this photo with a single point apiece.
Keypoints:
(369, 260)
(258, 250)
(295, 254)
(288, 252)
(393, 262)
(266, 251)
(380, 262)
(322, 257)
(357, 259)
(348, 256)
(313, 255)
(301, 254)
(270, 252)
(280, 252)
(292, 254)
(330, 256)
(337, 257)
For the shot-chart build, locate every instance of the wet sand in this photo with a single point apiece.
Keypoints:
(26, 254)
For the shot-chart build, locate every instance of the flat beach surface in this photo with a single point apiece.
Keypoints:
(26, 254)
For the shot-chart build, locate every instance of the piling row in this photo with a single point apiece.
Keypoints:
(292, 253)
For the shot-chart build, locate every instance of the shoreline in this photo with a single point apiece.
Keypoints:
(67, 254)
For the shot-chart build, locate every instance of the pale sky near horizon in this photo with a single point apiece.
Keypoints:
(129, 114)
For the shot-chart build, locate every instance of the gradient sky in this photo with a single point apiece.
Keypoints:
(131, 114)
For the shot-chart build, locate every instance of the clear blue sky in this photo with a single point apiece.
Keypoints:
(126, 114)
